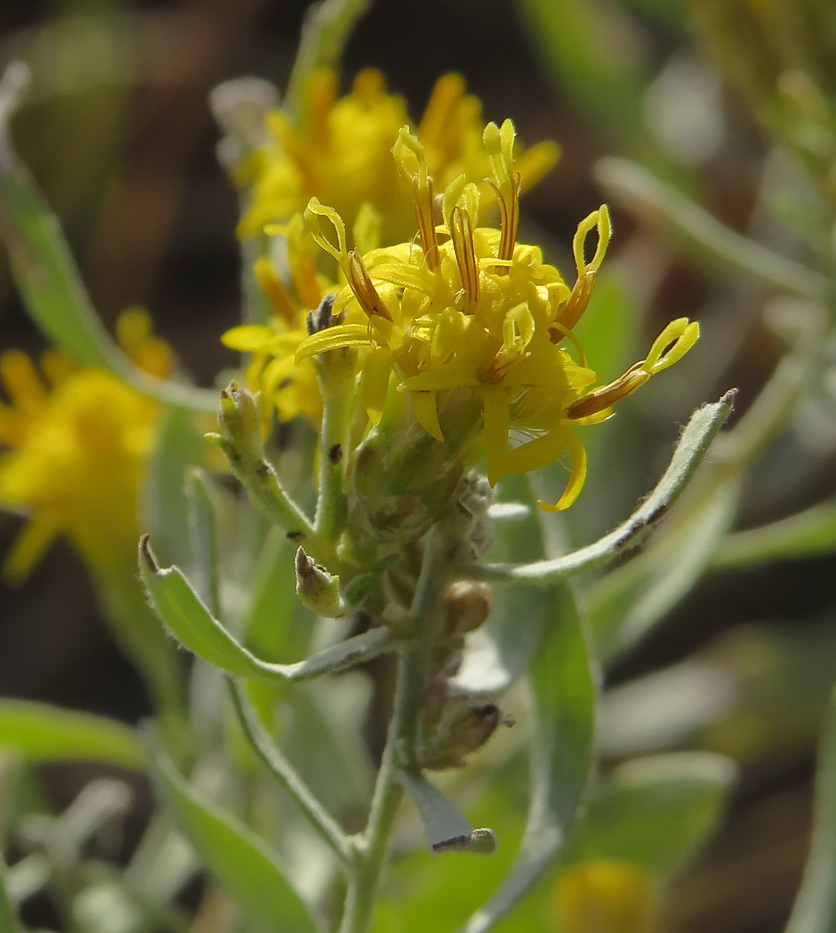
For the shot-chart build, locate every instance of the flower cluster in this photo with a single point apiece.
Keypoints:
(467, 314)
(78, 441)
(341, 153)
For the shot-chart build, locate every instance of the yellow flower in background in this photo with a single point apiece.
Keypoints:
(288, 389)
(466, 313)
(342, 153)
(78, 441)
(605, 897)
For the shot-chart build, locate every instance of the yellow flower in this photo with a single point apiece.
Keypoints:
(289, 389)
(342, 153)
(78, 443)
(466, 313)
(605, 897)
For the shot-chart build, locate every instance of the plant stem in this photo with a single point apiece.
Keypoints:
(362, 891)
(336, 379)
(401, 736)
(287, 777)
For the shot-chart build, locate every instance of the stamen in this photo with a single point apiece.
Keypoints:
(461, 232)
(445, 97)
(275, 290)
(363, 288)
(425, 217)
(574, 308)
(608, 395)
(509, 220)
(321, 97)
(412, 164)
(576, 304)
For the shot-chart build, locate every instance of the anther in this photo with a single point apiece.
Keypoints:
(363, 288)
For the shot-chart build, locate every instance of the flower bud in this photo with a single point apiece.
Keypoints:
(318, 589)
(453, 726)
(466, 605)
(239, 421)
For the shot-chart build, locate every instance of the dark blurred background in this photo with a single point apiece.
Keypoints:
(119, 136)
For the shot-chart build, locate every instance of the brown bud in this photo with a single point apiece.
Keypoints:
(467, 605)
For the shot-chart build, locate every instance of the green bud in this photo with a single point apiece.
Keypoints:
(318, 589)
(239, 421)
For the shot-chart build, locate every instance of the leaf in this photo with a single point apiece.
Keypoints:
(9, 922)
(585, 59)
(241, 861)
(648, 198)
(284, 773)
(165, 508)
(40, 732)
(447, 830)
(186, 617)
(654, 812)
(49, 281)
(804, 534)
(693, 445)
(564, 692)
(628, 603)
(815, 907)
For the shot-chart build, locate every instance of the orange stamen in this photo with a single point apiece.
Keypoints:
(363, 288)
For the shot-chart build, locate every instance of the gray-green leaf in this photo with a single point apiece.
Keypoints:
(240, 860)
(187, 618)
(40, 732)
(563, 685)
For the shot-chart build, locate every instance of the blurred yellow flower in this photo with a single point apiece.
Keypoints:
(78, 442)
(466, 313)
(605, 897)
(342, 153)
(289, 389)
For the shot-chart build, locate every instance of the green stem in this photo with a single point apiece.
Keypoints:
(324, 34)
(265, 490)
(400, 740)
(335, 381)
(388, 792)
(285, 774)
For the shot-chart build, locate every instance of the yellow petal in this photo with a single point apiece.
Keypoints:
(374, 382)
(576, 478)
(248, 337)
(344, 335)
(426, 413)
(28, 548)
(537, 453)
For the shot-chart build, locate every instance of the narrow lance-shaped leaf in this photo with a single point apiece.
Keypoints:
(815, 908)
(649, 198)
(240, 860)
(48, 279)
(693, 445)
(40, 732)
(284, 773)
(178, 446)
(629, 602)
(564, 692)
(654, 812)
(803, 534)
(186, 617)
